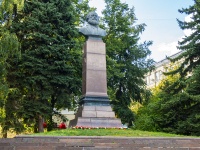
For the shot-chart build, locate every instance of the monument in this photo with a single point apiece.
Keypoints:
(95, 109)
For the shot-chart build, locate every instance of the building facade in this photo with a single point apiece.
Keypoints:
(154, 77)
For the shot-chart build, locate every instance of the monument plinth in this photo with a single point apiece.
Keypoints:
(95, 109)
(94, 79)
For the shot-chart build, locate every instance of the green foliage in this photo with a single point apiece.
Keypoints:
(9, 44)
(178, 102)
(190, 101)
(145, 119)
(173, 113)
(11, 108)
(124, 113)
(107, 132)
(9, 47)
(127, 60)
(48, 73)
(135, 106)
(81, 10)
(182, 115)
(8, 8)
(189, 45)
(150, 116)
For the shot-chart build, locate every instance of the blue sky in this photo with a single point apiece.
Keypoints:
(160, 17)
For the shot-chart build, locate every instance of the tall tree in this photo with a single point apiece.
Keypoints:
(189, 45)
(173, 112)
(179, 103)
(126, 59)
(155, 115)
(48, 72)
(187, 86)
(9, 47)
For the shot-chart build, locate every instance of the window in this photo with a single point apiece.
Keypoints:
(157, 76)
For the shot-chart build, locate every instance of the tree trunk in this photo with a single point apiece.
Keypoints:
(40, 124)
(5, 129)
(50, 125)
(5, 135)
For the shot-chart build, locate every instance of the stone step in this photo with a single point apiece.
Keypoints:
(97, 108)
(98, 143)
(94, 116)
(97, 111)
(94, 122)
(90, 113)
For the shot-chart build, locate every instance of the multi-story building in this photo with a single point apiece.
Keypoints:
(154, 77)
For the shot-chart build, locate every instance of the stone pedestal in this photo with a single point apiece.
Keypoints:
(94, 69)
(96, 116)
(95, 109)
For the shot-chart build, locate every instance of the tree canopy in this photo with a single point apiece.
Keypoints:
(127, 60)
(177, 108)
(47, 74)
(9, 47)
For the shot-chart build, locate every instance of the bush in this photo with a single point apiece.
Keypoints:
(125, 114)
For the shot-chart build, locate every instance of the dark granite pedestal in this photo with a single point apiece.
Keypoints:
(95, 112)
(95, 109)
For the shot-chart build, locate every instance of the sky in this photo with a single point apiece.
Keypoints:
(161, 24)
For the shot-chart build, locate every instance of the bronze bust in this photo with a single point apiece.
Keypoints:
(92, 28)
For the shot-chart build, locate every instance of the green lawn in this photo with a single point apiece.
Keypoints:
(106, 132)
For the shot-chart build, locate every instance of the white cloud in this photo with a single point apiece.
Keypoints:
(161, 50)
(188, 18)
(187, 32)
(167, 47)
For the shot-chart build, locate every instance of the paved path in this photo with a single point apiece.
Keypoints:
(97, 143)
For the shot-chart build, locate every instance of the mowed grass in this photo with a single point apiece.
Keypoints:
(106, 132)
